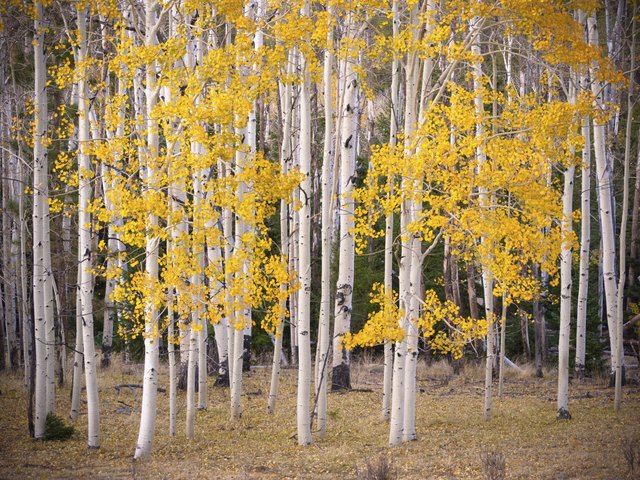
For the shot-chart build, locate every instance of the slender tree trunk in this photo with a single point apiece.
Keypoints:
(565, 296)
(341, 376)
(285, 158)
(28, 353)
(396, 422)
(85, 280)
(151, 341)
(524, 332)
(607, 217)
(221, 329)
(619, 352)
(585, 241)
(78, 357)
(191, 382)
(634, 251)
(304, 245)
(40, 216)
(327, 204)
(503, 344)
(388, 229)
(539, 330)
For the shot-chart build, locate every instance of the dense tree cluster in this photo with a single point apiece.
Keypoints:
(181, 176)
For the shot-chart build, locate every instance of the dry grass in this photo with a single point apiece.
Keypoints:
(449, 422)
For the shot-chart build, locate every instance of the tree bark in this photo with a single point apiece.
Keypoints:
(606, 212)
(585, 242)
(341, 376)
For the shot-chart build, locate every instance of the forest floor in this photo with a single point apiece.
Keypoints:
(452, 432)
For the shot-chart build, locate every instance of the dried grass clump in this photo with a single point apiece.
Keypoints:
(379, 470)
(493, 465)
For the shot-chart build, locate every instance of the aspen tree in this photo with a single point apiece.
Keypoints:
(286, 97)
(304, 246)
(152, 340)
(327, 207)
(606, 213)
(565, 288)
(619, 351)
(41, 268)
(326, 225)
(388, 238)
(341, 378)
(85, 279)
(635, 213)
(400, 376)
(487, 275)
(585, 241)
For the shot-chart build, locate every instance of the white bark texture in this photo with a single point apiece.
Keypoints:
(285, 157)
(585, 241)
(327, 204)
(304, 273)
(344, 288)
(388, 229)
(151, 340)
(565, 298)
(619, 352)
(85, 280)
(40, 216)
(606, 212)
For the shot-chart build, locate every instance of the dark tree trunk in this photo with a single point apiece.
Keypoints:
(341, 378)
(246, 354)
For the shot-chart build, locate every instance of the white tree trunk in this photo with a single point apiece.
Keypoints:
(221, 329)
(85, 280)
(565, 298)
(171, 351)
(78, 358)
(40, 216)
(585, 241)
(503, 343)
(327, 204)
(607, 220)
(397, 389)
(388, 229)
(304, 273)
(341, 378)
(242, 317)
(619, 351)
(191, 379)
(151, 340)
(285, 158)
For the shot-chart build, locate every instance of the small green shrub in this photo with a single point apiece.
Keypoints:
(55, 428)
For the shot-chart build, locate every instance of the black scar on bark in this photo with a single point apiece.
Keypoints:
(563, 414)
(246, 353)
(341, 378)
